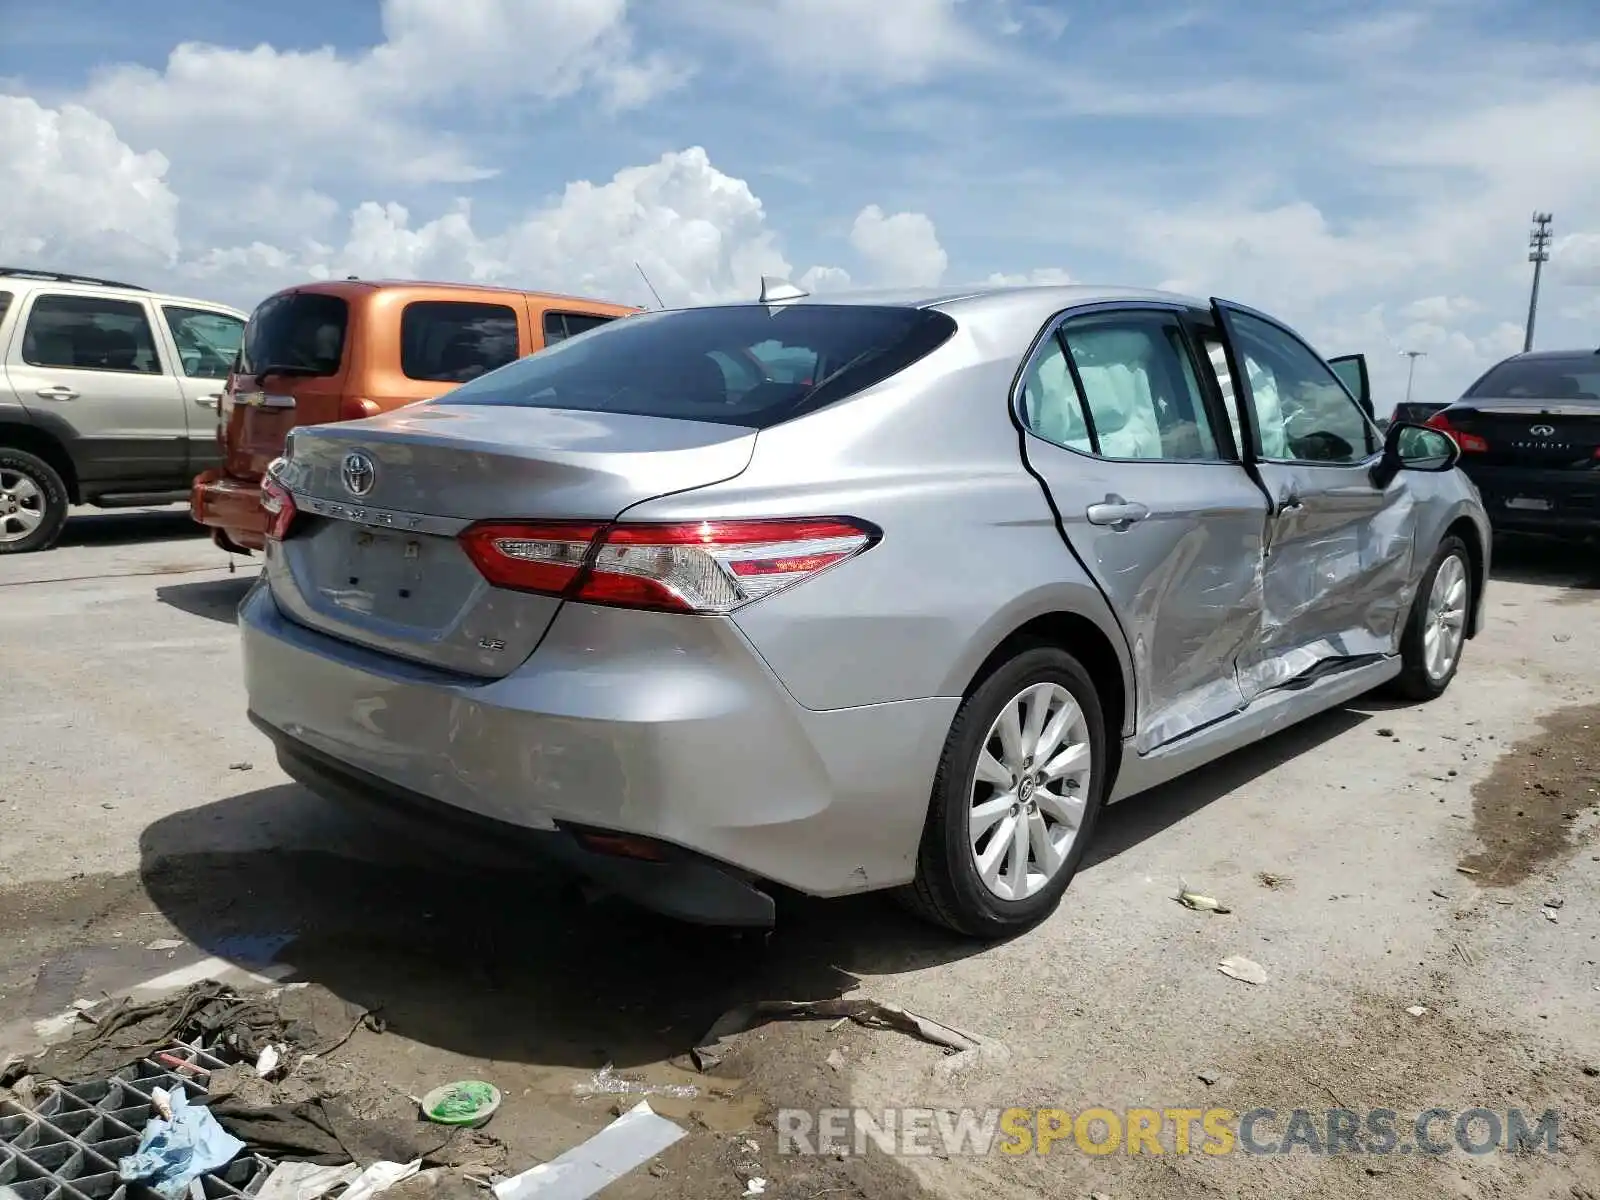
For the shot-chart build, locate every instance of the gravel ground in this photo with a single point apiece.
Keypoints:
(1375, 859)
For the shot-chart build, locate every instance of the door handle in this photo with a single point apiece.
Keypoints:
(210, 401)
(1116, 512)
(56, 391)
(1290, 504)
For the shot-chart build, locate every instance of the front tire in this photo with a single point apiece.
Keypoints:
(33, 502)
(1020, 784)
(1436, 629)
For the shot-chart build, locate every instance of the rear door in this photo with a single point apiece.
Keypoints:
(92, 363)
(1139, 463)
(293, 362)
(203, 345)
(1339, 551)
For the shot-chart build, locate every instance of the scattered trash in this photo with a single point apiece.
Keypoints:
(1209, 1076)
(1591, 1070)
(165, 944)
(872, 1014)
(1417, 1010)
(1388, 733)
(1562, 637)
(1464, 953)
(379, 1177)
(1549, 915)
(755, 1186)
(1271, 879)
(270, 1061)
(305, 1181)
(1554, 902)
(836, 1060)
(1243, 969)
(181, 1144)
(1502, 900)
(241, 766)
(607, 1083)
(631, 1140)
(1198, 902)
(1467, 870)
(469, 1102)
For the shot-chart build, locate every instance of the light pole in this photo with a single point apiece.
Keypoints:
(1411, 368)
(1538, 255)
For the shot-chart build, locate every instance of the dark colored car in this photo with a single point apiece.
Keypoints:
(1529, 432)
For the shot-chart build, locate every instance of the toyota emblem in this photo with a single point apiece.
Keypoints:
(1542, 430)
(358, 473)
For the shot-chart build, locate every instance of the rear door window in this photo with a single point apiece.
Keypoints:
(749, 365)
(299, 333)
(90, 333)
(208, 342)
(452, 341)
(559, 326)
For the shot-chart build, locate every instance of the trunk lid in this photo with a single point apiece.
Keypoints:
(383, 568)
(1544, 434)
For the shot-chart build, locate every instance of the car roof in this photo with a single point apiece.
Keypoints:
(985, 296)
(1554, 356)
(350, 287)
(83, 285)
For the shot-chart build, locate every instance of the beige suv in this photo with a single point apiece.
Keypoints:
(108, 396)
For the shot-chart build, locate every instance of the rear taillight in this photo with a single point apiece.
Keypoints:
(696, 567)
(278, 502)
(354, 408)
(1470, 443)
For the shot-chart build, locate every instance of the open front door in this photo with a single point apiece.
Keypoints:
(1338, 550)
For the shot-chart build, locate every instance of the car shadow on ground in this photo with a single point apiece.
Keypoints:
(519, 966)
(1574, 566)
(215, 599)
(133, 525)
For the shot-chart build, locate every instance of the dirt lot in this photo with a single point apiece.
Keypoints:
(1375, 860)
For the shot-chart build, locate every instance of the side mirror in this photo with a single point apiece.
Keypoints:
(1352, 372)
(1408, 447)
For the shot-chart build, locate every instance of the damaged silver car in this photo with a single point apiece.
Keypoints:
(883, 591)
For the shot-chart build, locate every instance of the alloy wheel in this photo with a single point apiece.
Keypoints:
(1446, 620)
(22, 505)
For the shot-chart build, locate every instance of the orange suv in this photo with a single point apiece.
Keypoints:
(345, 349)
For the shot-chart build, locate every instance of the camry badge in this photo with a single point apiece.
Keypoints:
(358, 473)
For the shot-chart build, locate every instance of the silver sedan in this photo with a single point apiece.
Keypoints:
(887, 591)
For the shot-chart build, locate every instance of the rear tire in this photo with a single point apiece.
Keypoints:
(1439, 614)
(33, 502)
(977, 874)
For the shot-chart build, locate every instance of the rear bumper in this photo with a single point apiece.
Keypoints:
(661, 726)
(231, 507)
(1572, 497)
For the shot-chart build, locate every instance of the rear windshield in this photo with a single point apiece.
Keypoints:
(749, 365)
(1542, 379)
(302, 332)
(450, 341)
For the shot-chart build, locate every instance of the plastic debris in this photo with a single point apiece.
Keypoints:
(607, 1083)
(1198, 902)
(270, 1061)
(755, 1186)
(165, 944)
(1209, 1076)
(241, 766)
(1243, 969)
(628, 1142)
(469, 1102)
(177, 1147)
(1549, 914)
(380, 1177)
(305, 1181)
(872, 1014)
(1417, 1010)
(1467, 870)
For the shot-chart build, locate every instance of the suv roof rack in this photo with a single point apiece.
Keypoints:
(59, 277)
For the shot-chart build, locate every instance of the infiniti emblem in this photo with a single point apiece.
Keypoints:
(1542, 430)
(358, 473)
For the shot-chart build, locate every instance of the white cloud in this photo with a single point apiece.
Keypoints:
(74, 191)
(1439, 309)
(1040, 275)
(818, 280)
(291, 114)
(908, 42)
(902, 250)
(1576, 259)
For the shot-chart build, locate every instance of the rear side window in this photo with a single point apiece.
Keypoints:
(558, 327)
(750, 365)
(90, 333)
(300, 333)
(1541, 379)
(451, 341)
(208, 342)
(5, 306)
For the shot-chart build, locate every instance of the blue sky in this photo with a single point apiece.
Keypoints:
(1367, 170)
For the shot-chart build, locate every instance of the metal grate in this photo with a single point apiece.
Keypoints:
(67, 1146)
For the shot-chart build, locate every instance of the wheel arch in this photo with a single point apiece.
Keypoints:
(45, 445)
(1465, 528)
